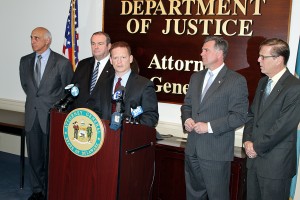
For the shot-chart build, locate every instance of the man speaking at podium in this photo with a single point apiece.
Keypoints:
(138, 89)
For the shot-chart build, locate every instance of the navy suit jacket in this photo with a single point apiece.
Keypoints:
(82, 77)
(58, 74)
(138, 89)
(272, 128)
(225, 106)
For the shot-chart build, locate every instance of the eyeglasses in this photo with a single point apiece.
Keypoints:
(262, 57)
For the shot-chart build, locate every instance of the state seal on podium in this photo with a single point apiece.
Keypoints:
(83, 132)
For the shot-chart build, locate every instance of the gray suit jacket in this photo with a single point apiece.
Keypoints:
(272, 128)
(58, 73)
(224, 106)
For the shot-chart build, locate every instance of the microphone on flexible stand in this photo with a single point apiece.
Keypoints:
(72, 91)
(136, 111)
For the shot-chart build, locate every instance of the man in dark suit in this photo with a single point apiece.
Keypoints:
(215, 105)
(138, 89)
(83, 76)
(44, 75)
(270, 133)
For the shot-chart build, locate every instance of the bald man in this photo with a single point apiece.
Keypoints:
(43, 75)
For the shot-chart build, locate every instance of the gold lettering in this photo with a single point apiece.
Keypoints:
(257, 6)
(174, 7)
(201, 7)
(223, 6)
(245, 27)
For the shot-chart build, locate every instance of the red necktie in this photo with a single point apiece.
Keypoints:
(118, 84)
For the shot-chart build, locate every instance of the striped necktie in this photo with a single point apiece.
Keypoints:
(94, 77)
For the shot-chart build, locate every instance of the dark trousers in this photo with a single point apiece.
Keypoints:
(206, 179)
(37, 142)
(259, 188)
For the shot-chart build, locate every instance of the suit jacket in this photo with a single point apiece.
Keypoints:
(58, 73)
(272, 128)
(138, 89)
(82, 77)
(224, 106)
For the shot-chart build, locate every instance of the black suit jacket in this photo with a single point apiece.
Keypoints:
(138, 89)
(273, 128)
(82, 77)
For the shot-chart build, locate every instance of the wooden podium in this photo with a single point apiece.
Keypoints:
(122, 169)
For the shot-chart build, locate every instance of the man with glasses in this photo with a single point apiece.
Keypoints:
(270, 133)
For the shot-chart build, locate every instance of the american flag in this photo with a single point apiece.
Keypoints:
(70, 48)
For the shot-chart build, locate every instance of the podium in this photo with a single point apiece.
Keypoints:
(122, 169)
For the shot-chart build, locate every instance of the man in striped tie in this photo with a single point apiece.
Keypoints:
(91, 71)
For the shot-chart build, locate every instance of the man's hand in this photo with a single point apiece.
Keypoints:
(249, 149)
(201, 127)
(189, 124)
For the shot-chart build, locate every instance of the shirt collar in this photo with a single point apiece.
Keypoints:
(217, 70)
(103, 61)
(276, 78)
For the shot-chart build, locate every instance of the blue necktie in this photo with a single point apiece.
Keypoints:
(268, 89)
(94, 77)
(208, 84)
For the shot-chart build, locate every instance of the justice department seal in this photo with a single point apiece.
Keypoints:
(83, 132)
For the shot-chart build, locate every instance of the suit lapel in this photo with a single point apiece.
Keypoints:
(274, 93)
(49, 67)
(216, 84)
(31, 69)
(129, 85)
(200, 83)
(90, 70)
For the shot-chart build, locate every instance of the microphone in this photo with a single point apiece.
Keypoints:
(117, 116)
(72, 91)
(119, 95)
(135, 111)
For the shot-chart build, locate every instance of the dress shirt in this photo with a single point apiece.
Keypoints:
(215, 72)
(102, 65)
(123, 81)
(276, 78)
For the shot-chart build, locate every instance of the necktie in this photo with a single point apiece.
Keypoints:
(268, 89)
(37, 70)
(118, 84)
(94, 77)
(208, 84)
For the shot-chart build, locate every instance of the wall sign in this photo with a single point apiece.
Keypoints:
(166, 36)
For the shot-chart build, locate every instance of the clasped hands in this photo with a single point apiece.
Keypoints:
(199, 127)
(249, 149)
